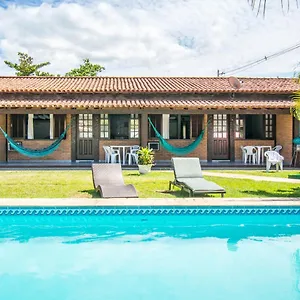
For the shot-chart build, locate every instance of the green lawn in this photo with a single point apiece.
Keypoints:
(283, 174)
(78, 184)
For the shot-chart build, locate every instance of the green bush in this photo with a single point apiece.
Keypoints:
(145, 156)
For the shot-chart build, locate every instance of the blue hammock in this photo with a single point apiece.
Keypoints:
(182, 150)
(35, 152)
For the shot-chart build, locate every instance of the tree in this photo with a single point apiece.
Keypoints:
(40, 73)
(295, 110)
(26, 67)
(86, 69)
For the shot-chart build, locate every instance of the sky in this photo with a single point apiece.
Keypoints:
(151, 37)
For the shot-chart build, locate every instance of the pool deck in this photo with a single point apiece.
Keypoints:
(140, 202)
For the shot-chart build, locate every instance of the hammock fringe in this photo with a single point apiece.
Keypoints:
(179, 150)
(35, 152)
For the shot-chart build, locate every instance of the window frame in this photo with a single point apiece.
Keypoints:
(265, 120)
(179, 127)
(106, 133)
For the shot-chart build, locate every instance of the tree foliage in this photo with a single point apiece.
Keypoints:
(295, 109)
(86, 69)
(26, 67)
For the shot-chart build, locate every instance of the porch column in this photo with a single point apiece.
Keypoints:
(209, 138)
(96, 136)
(144, 130)
(284, 135)
(30, 127)
(232, 138)
(51, 127)
(73, 137)
(166, 126)
(3, 143)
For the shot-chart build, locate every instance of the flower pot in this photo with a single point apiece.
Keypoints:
(144, 169)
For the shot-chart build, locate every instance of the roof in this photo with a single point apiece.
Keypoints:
(191, 103)
(123, 85)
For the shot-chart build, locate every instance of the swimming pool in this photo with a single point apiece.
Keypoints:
(150, 253)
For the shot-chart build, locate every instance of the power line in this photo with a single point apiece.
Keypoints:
(259, 61)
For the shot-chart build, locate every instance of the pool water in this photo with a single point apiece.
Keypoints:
(150, 257)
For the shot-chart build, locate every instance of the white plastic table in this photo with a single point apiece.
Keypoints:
(260, 152)
(123, 152)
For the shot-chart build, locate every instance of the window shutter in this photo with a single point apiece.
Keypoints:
(197, 121)
(18, 126)
(59, 125)
(156, 120)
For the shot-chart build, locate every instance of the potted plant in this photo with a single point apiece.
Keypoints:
(145, 160)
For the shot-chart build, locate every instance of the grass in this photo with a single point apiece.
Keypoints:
(78, 184)
(282, 174)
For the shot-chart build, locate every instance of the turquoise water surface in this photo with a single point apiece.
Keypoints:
(150, 257)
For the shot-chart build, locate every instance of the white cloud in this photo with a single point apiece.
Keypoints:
(152, 37)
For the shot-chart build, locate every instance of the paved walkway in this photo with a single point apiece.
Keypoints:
(140, 202)
(252, 177)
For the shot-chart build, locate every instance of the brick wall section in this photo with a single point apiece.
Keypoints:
(200, 151)
(162, 154)
(62, 153)
(2, 139)
(284, 136)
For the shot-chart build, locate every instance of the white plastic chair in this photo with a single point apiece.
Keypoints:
(249, 153)
(107, 155)
(114, 155)
(277, 148)
(243, 153)
(273, 158)
(132, 155)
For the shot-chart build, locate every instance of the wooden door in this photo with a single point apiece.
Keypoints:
(85, 136)
(220, 137)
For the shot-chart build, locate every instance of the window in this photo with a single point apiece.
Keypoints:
(19, 126)
(85, 126)
(239, 127)
(37, 126)
(258, 127)
(197, 121)
(59, 125)
(220, 128)
(41, 126)
(269, 126)
(119, 126)
(156, 120)
(104, 126)
(179, 126)
(124, 126)
(134, 126)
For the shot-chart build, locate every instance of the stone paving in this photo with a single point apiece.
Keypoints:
(252, 177)
(89, 202)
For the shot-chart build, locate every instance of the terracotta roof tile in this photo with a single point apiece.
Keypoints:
(121, 85)
(86, 102)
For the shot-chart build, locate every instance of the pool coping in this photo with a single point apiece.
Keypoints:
(148, 202)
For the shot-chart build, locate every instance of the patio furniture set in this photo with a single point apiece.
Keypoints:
(121, 154)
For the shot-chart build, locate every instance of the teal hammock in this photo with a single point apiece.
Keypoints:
(178, 150)
(35, 152)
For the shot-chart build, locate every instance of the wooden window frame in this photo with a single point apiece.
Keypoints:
(238, 119)
(179, 122)
(19, 120)
(134, 132)
(104, 134)
(59, 125)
